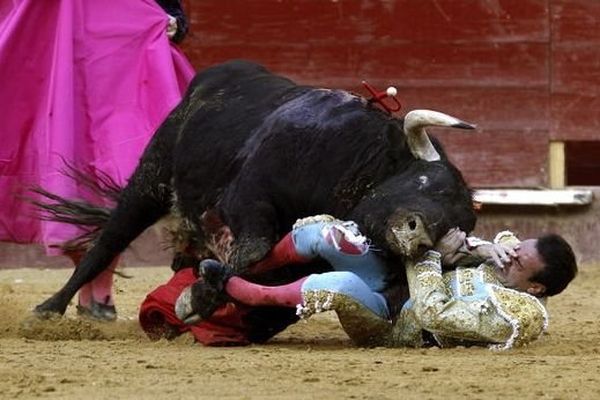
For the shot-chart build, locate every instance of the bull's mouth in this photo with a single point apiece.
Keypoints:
(407, 235)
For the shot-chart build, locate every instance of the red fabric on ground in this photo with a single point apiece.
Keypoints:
(157, 316)
(229, 325)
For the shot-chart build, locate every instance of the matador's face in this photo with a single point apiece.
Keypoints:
(523, 268)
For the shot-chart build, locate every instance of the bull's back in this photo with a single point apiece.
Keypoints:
(251, 130)
(227, 103)
(317, 152)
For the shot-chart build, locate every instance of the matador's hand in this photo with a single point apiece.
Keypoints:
(172, 27)
(499, 253)
(452, 246)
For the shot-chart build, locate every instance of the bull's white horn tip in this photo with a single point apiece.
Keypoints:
(464, 125)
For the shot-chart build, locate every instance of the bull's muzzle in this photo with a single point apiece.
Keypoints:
(407, 235)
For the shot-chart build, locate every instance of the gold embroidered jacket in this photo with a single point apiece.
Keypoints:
(467, 305)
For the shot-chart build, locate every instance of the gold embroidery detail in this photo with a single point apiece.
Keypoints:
(525, 313)
(363, 326)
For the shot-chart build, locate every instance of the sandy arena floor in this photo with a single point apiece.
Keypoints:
(76, 359)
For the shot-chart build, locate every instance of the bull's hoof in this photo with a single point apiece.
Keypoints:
(200, 300)
(45, 314)
(50, 308)
(247, 252)
(215, 274)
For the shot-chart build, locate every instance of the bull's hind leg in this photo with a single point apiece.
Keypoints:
(254, 226)
(143, 202)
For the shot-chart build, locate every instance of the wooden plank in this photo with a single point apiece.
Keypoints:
(575, 65)
(575, 117)
(556, 165)
(572, 197)
(518, 65)
(498, 158)
(366, 22)
(576, 69)
(469, 21)
(500, 43)
(575, 20)
(489, 62)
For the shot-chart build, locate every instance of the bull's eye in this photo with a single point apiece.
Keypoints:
(412, 224)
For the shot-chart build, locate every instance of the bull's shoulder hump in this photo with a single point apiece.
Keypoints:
(320, 107)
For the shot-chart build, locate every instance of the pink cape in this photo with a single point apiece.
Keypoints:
(87, 81)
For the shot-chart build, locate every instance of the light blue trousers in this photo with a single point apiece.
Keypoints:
(359, 276)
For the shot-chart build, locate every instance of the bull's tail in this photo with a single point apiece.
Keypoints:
(96, 181)
(90, 217)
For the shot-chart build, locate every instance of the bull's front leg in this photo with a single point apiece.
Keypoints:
(254, 226)
(137, 209)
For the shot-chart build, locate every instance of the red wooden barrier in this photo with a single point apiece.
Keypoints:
(525, 71)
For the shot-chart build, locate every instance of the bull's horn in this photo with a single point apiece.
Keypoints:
(414, 128)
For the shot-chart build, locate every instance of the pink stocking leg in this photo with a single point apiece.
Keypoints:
(258, 295)
(102, 285)
(99, 289)
(85, 295)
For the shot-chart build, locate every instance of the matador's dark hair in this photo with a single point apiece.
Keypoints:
(560, 266)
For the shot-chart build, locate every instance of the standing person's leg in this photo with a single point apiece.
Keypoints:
(102, 286)
(96, 297)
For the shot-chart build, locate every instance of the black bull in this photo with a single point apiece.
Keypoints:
(260, 151)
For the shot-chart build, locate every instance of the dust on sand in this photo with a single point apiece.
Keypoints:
(71, 358)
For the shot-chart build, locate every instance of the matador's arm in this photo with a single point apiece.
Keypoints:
(488, 313)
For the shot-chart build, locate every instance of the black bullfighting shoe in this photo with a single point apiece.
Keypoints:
(200, 300)
(98, 311)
